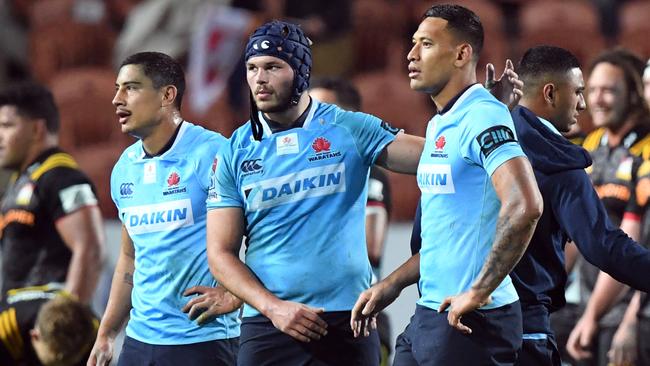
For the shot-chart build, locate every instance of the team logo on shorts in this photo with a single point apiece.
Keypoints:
(322, 148)
(439, 151)
(173, 184)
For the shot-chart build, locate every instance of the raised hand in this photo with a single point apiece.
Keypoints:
(508, 88)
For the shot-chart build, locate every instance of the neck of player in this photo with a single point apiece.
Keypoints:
(461, 78)
(159, 136)
(288, 116)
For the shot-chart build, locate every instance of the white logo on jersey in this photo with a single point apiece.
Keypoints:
(294, 187)
(435, 178)
(165, 216)
(149, 173)
(287, 144)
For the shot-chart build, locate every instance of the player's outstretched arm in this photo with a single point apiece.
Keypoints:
(521, 207)
(508, 88)
(382, 294)
(225, 229)
(119, 304)
(83, 232)
(403, 154)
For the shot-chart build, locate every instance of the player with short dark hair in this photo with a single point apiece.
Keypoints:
(480, 204)
(51, 226)
(159, 185)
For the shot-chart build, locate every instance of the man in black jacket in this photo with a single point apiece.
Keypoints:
(553, 98)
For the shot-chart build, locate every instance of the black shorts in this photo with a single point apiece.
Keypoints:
(222, 352)
(429, 340)
(262, 344)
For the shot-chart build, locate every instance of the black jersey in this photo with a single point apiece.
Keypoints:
(18, 311)
(615, 173)
(379, 189)
(33, 252)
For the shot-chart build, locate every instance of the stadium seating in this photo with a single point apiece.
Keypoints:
(89, 129)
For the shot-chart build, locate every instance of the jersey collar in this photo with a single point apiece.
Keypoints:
(170, 146)
(307, 120)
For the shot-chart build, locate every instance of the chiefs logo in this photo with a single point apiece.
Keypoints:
(173, 179)
(440, 143)
(321, 145)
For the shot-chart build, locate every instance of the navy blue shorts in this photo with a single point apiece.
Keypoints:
(539, 352)
(262, 344)
(429, 340)
(222, 352)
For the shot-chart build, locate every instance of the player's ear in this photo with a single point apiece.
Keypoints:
(169, 94)
(39, 129)
(464, 53)
(549, 92)
(35, 334)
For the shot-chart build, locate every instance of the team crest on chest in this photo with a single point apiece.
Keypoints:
(322, 149)
(174, 184)
(439, 148)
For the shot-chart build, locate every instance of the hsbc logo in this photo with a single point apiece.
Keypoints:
(252, 166)
(126, 190)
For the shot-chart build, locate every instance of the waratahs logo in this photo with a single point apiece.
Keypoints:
(321, 144)
(173, 181)
(322, 147)
(440, 143)
(439, 148)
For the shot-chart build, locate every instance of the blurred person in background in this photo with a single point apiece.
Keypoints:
(619, 146)
(43, 325)
(51, 226)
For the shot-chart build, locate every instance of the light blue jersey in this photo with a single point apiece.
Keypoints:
(464, 146)
(303, 192)
(161, 202)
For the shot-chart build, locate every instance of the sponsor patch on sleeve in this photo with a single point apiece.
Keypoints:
(494, 137)
(77, 196)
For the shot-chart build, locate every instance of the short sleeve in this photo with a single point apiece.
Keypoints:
(370, 134)
(223, 190)
(490, 139)
(63, 191)
(207, 160)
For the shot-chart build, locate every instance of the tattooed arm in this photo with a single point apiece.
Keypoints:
(119, 304)
(521, 207)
